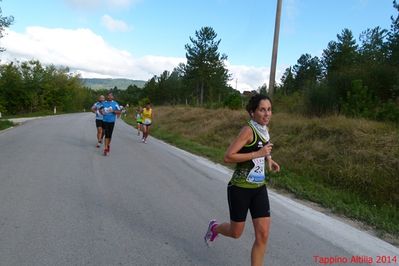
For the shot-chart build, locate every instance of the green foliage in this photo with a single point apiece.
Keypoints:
(287, 82)
(5, 124)
(144, 101)
(320, 100)
(291, 103)
(131, 95)
(205, 70)
(29, 87)
(356, 80)
(307, 71)
(393, 38)
(233, 100)
(263, 89)
(359, 101)
(388, 111)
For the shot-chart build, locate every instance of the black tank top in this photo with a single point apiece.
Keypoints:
(242, 169)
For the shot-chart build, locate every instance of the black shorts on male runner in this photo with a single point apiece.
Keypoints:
(256, 200)
(99, 123)
(108, 128)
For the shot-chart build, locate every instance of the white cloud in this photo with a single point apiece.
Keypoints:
(247, 78)
(82, 51)
(95, 4)
(114, 24)
(90, 55)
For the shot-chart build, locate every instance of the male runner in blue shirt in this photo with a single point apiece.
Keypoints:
(110, 110)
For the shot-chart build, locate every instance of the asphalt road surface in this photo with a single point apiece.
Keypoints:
(63, 203)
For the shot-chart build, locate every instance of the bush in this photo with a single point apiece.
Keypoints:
(233, 101)
(5, 124)
(388, 111)
(359, 101)
(319, 100)
(292, 103)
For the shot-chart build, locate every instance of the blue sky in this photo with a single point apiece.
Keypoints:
(140, 38)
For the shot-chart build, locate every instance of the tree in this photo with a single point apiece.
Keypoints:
(5, 22)
(374, 48)
(263, 89)
(307, 71)
(131, 95)
(340, 63)
(30, 87)
(287, 82)
(205, 69)
(393, 44)
(341, 54)
(375, 71)
(393, 38)
(11, 89)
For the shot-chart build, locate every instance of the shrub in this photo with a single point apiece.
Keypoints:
(319, 100)
(388, 111)
(233, 101)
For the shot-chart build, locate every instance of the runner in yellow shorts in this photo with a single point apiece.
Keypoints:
(147, 117)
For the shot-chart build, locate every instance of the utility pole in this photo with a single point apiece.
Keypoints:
(275, 49)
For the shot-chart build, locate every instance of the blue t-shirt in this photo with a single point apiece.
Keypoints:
(109, 107)
(97, 106)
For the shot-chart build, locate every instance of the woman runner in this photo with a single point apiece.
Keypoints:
(247, 187)
(147, 115)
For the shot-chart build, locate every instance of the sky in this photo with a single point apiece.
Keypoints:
(138, 39)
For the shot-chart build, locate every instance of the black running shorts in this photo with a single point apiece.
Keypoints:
(256, 200)
(108, 128)
(99, 123)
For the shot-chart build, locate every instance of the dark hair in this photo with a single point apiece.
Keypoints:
(253, 103)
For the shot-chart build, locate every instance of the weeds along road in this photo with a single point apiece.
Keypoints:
(63, 203)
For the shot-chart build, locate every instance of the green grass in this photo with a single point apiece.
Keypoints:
(384, 218)
(350, 166)
(5, 124)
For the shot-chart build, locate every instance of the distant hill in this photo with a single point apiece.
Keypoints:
(122, 84)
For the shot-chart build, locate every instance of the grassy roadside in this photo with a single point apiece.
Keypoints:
(349, 166)
(4, 124)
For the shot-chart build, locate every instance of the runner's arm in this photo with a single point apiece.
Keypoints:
(232, 155)
(245, 137)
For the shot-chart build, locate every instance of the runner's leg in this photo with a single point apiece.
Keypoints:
(261, 226)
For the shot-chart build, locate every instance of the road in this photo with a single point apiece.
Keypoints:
(63, 203)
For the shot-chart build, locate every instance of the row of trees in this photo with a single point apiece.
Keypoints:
(357, 80)
(30, 87)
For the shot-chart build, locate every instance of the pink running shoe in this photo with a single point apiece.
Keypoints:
(210, 235)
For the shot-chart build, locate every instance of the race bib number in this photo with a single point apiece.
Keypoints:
(147, 121)
(257, 173)
(108, 110)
